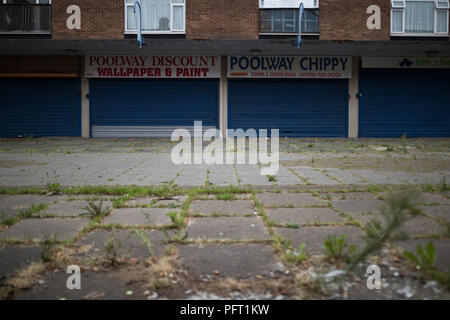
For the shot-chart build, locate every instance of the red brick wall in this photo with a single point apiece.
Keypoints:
(222, 19)
(347, 20)
(100, 19)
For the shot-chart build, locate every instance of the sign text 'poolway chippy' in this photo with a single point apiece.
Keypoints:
(289, 67)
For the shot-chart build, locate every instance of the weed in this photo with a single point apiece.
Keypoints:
(48, 247)
(335, 248)
(177, 219)
(111, 251)
(145, 240)
(443, 186)
(272, 178)
(53, 188)
(178, 236)
(425, 258)
(35, 208)
(300, 254)
(27, 277)
(400, 207)
(96, 209)
(404, 139)
(288, 253)
(226, 196)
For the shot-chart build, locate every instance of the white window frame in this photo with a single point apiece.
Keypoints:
(394, 6)
(435, 21)
(437, 4)
(171, 31)
(436, 9)
(403, 21)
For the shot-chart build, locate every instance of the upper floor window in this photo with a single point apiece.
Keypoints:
(286, 21)
(158, 16)
(281, 16)
(26, 1)
(419, 17)
(25, 16)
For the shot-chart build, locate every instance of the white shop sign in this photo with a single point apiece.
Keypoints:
(330, 67)
(406, 62)
(125, 66)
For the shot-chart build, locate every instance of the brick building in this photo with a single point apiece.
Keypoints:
(368, 68)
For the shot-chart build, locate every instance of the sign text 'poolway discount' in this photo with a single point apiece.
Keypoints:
(289, 67)
(124, 66)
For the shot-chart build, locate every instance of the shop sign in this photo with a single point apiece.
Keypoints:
(406, 62)
(330, 67)
(126, 66)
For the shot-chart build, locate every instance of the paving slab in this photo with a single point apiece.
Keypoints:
(344, 176)
(437, 212)
(94, 286)
(250, 174)
(233, 207)
(442, 248)
(313, 176)
(73, 208)
(348, 195)
(365, 217)
(127, 243)
(358, 206)
(303, 216)
(11, 206)
(238, 228)
(426, 198)
(286, 177)
(37, 229)
(14, 258)
(288, 199)
(222, 175)
(422, 226)
(314, 237)
(235, 261)
(154, 201)
(433, 199)
(139, 216)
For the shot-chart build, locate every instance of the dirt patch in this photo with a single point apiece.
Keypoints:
(17, 163)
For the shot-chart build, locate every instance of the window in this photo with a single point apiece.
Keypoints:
(158, 16)
(286, 21)
(26, 1)
(398, 4)
(278, 4)
(419, 17)
(25, 16)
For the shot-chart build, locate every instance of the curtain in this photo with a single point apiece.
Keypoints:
(155, 15)
(397, 21)
(178, 18)
(419, 17)
(442, 21)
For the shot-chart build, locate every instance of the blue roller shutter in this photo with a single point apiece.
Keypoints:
(145, 108)
(299, 108)
(397, 101)
(40, 107)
